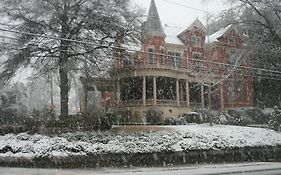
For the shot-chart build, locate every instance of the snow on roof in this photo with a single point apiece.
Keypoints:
(171, 34)
(216, 35)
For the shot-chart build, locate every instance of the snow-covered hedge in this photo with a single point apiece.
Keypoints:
(175, 139)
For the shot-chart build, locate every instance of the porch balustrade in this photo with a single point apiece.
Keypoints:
(187, 66)
(149, 102)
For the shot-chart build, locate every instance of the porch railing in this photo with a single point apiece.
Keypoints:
(150, 102)
(187, 66)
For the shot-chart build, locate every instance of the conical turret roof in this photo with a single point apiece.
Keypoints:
(153, 26)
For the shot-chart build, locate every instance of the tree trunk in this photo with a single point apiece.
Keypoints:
(63, 65)
(64, 88)
(64, 81)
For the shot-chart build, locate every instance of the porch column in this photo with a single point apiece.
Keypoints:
(187, 93)
(144, 91)
(202, 96)
(178, 92)
(118, 91)
(221, 97)
(154, 91)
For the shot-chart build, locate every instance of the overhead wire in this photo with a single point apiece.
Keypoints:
(126, 49)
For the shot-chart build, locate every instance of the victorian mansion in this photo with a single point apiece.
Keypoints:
(176, 72)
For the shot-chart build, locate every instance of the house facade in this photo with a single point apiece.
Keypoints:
(177, 71)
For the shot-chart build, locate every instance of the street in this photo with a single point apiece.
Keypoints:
(258, 168)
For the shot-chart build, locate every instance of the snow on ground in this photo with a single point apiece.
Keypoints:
(176, 138)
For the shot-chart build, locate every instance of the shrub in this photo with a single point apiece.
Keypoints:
(174, 121)
(154, 116)
(257, 116)
(275, 119)
(192, 117)
(123, 117)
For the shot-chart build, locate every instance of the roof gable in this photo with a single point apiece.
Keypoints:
(221, 33)
(197, 24)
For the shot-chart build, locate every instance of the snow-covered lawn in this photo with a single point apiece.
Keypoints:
(165, 138)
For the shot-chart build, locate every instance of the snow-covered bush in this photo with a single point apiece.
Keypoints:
(154, 116)
(174, 121)
(231, 117)
(256, 115)
(94, 121)
(275, 119)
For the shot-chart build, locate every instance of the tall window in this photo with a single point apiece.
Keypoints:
(231, 56)
(171, 58)
(230, 91)
(231, 40)
(197, 61)
(196, 41)
(178, 60)
(150, 55)
(175, 59)
(161, 56)
(241, 86)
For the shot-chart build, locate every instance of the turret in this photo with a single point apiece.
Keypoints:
(153, 36)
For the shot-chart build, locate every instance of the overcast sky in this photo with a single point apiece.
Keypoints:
(183, 12)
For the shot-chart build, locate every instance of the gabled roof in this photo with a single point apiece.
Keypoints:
(153, 26)
(196, 24)
(221, 33)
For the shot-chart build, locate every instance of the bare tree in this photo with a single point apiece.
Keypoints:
(62, 36)
(260, 20)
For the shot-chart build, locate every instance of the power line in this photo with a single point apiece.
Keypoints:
(130, 50)
(189, 7)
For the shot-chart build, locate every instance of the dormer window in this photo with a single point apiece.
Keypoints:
(196, 41)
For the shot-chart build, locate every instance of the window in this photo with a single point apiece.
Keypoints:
(161, 56)
(231, 40)
(171, 59)
(175, 59)
(241, 86)
(196, 41)
(231, 56)
(197, 62)
(178, 60)
(230, 91)
(150, 55)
